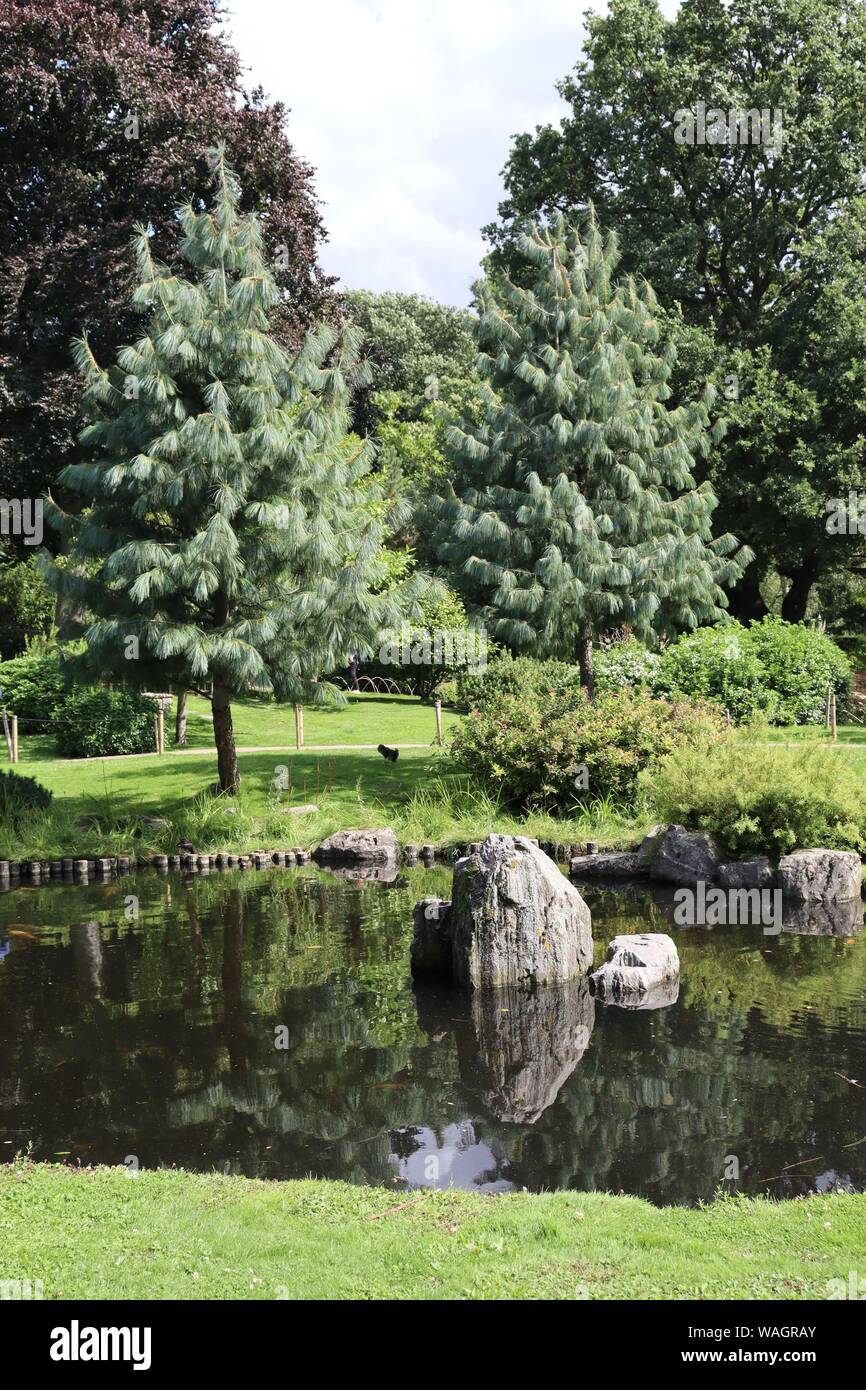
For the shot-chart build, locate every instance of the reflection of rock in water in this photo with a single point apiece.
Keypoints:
(364, 873)
(86, 939)
(529, 1045)
(659, 996)
(823, 919)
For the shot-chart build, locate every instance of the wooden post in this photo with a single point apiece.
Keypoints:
(439, 722)
(827, 707)
(156, 731)
(161, 718)
(15, 738)
(833, 714)
(299, 726)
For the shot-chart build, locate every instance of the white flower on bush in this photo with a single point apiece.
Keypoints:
(626, 663)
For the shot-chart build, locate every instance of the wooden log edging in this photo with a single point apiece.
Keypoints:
(102, 868)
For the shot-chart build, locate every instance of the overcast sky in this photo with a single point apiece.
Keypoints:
(406, 109)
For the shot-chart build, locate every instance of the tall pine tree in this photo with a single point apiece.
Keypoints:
(573, 508)
(233, 536)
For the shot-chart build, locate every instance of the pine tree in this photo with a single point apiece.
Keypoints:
(233, 537)
(574, 509)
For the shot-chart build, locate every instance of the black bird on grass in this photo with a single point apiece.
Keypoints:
(392, 754)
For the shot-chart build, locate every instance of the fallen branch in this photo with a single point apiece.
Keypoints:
(402, 1207)
(803, 1163)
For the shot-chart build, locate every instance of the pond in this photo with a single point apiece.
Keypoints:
(266, 1024)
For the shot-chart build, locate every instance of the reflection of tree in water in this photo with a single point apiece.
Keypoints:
(157, 1038)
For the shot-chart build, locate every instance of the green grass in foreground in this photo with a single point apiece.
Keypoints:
(100, 1233)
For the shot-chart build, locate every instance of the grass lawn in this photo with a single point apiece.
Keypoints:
(100, 1233)
(391, 719)
(350, 783)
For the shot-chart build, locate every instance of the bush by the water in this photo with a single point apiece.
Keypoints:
(21, 796)
(98, 723)
(33, 687)
(531, 750)
(760, 797)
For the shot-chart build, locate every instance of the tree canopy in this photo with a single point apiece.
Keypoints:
(574, 507)
(105, 109)
(230, 537)
(758, 247)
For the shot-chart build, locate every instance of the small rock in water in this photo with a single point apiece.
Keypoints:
(431, 939)
(639, 967)
(610, 864)
(747, 873)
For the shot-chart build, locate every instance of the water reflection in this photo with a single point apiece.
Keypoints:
(267, 1024)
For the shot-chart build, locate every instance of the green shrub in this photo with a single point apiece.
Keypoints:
(97, 723)
(26, 606)
(20, 797)
(523, 677)
(531, 751)
(774, 669)
(719, 664)
(33, 687)
(799, 663)
(759, 797)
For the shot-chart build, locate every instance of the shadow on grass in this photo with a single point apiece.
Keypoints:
(166, 785)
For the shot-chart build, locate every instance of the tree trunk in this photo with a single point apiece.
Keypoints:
(796, 600)
(180, 720)
(224, 738)
(584, 661)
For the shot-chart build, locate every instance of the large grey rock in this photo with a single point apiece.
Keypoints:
(821, 875)
(431, 938)
(686, 856)
(637, 965)
(608, 865)
(359, 847)
(747, 873)
(529, 1043)
(648, 847)
(515, 919)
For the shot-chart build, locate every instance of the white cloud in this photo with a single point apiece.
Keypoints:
(406, 109)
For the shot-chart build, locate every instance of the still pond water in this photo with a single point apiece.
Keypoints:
(266, 1024)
